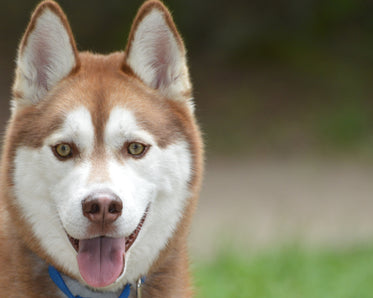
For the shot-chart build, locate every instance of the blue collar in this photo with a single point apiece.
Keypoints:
(58, 280)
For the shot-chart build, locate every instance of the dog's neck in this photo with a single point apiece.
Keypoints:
(68, 286)
(76, 288)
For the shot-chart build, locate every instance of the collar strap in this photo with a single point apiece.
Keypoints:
(60, 283)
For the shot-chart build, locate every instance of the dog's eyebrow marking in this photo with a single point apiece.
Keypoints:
(122, 126)
(79, 122)
(77, 128)
(84, 134)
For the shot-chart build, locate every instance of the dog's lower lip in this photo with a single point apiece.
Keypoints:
(74, 242)
(129, 239)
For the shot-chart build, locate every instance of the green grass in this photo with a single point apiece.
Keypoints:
(288, 273)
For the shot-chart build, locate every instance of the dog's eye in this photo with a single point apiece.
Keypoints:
(136, 149)
(63, 150)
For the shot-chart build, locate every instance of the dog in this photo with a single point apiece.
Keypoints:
(101, 165)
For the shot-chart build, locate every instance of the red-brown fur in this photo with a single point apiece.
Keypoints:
(88, 84)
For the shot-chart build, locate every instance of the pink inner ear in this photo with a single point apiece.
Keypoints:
(46, 56)
(156, 54)
(42, 62)
(162, 60)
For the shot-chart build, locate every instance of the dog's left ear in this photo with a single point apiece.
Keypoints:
(155, 52)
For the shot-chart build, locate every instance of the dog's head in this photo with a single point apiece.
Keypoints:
(101, 151)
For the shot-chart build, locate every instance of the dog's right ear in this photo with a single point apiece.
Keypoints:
(46, 55)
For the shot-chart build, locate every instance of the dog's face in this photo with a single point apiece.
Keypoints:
(101, 148)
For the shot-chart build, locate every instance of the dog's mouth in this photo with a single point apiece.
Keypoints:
(128, 240)
(101, 260)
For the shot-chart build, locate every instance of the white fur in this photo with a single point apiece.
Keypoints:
(46, 58)
(122, 126)
(42, 182)
(156, 57)
(160, 178)
(50, 191)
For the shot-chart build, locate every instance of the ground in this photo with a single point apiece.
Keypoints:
(249, 204)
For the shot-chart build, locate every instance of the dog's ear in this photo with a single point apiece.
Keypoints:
(47, 54)
(155, 52)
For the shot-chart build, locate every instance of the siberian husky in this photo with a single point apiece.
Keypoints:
(101, 165)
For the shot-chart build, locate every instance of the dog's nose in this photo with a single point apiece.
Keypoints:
(102, 209)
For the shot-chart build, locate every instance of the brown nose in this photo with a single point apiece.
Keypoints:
(102, 209)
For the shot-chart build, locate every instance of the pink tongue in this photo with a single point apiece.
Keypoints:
(100, 260)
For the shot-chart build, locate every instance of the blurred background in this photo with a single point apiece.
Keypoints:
(283, 93)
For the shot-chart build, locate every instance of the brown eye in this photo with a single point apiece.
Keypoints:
(63, 150)
(136, 149)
